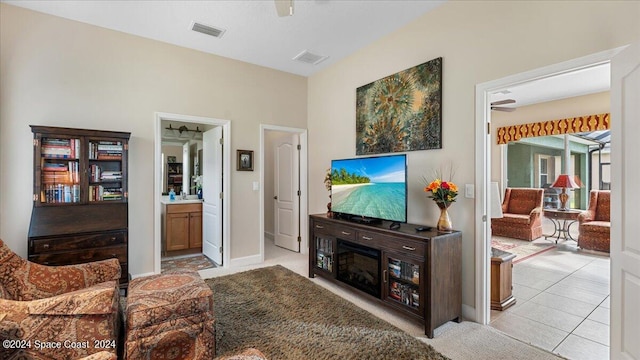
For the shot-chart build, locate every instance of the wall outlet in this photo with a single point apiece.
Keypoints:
(469, 191)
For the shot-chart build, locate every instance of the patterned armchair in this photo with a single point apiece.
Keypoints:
(522, 211)
(72, 307)
(595, 222)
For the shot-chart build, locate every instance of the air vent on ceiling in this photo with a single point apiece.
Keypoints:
(310, 58)
(207, 30)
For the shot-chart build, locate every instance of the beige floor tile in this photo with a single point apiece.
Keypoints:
(534, 283)
(523, 293)
(529, 331)
(585, 284)
(561, 303)
(601, 315)
(579, 348)
(577, 294)
(593, 331)
(548, 316)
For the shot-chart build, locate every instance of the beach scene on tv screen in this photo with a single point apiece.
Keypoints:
(370, 187)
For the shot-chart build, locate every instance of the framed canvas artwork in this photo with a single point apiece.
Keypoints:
(401, 112)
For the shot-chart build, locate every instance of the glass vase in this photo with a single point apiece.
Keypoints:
(444, 222)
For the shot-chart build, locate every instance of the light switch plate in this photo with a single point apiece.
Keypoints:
(469, 191)
(256, 186)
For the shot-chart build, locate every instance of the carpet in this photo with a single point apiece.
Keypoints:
(522, 248)
(287, 316)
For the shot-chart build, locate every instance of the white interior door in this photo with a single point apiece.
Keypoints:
(625, 242)
(212, 194)
(287, 193)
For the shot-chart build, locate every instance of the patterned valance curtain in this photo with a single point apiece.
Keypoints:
(553, 127)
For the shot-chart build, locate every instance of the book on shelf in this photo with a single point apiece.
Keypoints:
(100, 193)
(60, 172)
(60, 148)
(60, 193)
(106, 150)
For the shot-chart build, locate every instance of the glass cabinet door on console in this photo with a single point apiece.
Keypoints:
(402, 282)
(324, 245)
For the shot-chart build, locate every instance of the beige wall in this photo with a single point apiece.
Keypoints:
(479, 41)
(64, 73)
(552, 110)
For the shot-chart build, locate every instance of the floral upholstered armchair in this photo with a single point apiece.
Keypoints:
(57, 312)
(595, 222)
(522, 214)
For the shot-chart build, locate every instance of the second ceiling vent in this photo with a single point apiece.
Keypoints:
(207, 29)
(310, 58)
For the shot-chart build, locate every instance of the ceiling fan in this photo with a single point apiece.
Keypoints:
(284, 7)
(494, 105)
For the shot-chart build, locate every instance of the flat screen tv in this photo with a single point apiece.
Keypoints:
(372, 188)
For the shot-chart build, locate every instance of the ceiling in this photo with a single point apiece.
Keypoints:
(254, 31)
(586, 81)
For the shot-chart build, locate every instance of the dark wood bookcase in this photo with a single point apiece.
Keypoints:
(80, 209)
(416, 273)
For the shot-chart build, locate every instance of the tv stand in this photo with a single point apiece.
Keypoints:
(417, 273)
(357, 219)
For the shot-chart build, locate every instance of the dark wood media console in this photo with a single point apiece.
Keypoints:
(416, 273)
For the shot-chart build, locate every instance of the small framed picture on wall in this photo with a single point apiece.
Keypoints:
(244, 162)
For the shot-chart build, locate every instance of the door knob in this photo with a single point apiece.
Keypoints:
(275, 197)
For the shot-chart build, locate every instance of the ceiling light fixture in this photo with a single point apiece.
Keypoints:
(182, 132)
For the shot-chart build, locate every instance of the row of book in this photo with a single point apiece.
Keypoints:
(405, 294)
(97, 174)
(324, 261)
(105, 150)
(405, 271)
(60, 148)
(60, 193)
(56, 172)
(101, 193)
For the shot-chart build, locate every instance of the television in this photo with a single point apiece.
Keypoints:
(370, 188)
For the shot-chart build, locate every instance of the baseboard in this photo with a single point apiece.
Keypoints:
(134, 276)
(245, 261)
(269, 235)
(469, 313)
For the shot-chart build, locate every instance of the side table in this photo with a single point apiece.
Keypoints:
(562, 221)
(501, 278)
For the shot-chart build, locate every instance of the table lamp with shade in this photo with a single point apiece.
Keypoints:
(565, 182)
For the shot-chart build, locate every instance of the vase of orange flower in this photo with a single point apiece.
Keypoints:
(444, 194)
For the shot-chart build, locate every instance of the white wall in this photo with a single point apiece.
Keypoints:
(479, 41)
(59, 72)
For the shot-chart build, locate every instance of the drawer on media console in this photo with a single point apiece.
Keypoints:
(402, 245)
(337, 231)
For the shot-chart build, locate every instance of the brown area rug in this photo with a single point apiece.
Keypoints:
(287, 316)
(522, 248)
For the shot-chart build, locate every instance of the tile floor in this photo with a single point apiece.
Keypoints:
(562, 302)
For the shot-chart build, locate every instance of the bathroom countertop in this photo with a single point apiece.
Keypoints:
(165, 200)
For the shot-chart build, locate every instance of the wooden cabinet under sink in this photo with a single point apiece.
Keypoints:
(183, 227)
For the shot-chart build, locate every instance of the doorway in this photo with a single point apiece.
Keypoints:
(483, 162)
(222, 167)
(278, 141)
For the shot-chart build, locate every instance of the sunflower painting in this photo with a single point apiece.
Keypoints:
(401, 112)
